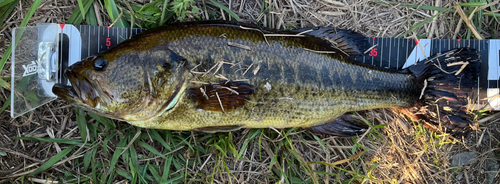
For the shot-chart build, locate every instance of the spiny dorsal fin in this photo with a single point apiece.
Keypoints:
(224, 96)
(347, 43)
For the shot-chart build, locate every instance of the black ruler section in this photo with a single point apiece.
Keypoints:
(96, 39)
(103, 39)
(85, 41)
(389, 53)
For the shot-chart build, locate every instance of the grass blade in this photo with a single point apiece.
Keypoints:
(166, 168)
(75, 18)
(28, 16)
(247, 140)
(80, 5)
(105, 142)
(163, 12)
(321, 143)
(53, 160)
(155, 174)
(91, 17)
(6, 10)
(5, 105)
(420, 24)
(115, 157)
(63, 141)
(113, 13)
(124, 174)
(105, 121)
(82, 123)
(6, 2)
(226, 9)
(88, 158)
(157, 137)
(174, 179)
(132, 162)
(150, 148)
(473, 4)
(4, 84)
(416, 6)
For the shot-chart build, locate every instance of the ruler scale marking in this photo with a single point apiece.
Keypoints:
(440, 51)
(88, 48)
(126, 35)
(381, 51)
(108, 40)
(406, 56)
(397, 61)
(117, 37)
(98, 38)
(390, 56)
(449, 44)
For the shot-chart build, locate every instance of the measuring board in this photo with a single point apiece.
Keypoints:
(399, 53)
(76, 42)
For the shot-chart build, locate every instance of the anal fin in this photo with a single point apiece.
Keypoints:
(344, 126)
(213, 129)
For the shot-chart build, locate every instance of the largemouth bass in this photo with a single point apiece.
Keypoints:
(222, 76)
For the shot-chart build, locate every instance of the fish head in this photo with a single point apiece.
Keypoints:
(127, 85)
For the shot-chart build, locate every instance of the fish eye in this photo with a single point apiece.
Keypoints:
(100, 64)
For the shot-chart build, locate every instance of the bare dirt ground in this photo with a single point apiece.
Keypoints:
(405, 153)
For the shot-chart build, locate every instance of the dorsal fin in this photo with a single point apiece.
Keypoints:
(347, 43)
(224, 96)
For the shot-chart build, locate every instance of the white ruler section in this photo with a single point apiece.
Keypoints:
(493, 94)
(419, 53)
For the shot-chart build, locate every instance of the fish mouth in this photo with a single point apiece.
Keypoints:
(65, 92)
(80, 90)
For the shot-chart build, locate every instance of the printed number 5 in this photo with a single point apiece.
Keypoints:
(373, 52)
(108, 42)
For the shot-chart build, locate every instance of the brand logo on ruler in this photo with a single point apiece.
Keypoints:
(31, 68)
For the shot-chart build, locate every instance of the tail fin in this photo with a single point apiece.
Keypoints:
(449, 79)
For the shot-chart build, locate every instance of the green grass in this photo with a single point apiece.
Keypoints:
(468, 9)
(162, 156)
(6, 7)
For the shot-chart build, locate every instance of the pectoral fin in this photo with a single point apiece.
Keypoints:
(347, 43)
(344, 126)
(213, 129)
(224, 96)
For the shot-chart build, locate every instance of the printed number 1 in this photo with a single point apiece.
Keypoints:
(108, 42)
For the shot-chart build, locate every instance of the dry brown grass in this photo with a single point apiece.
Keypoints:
(405, 154)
